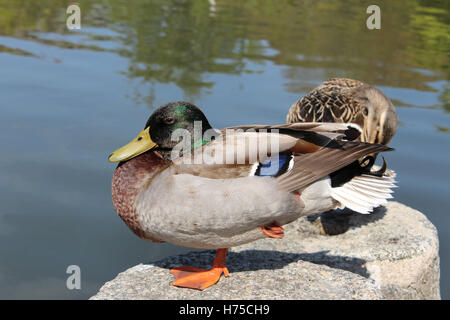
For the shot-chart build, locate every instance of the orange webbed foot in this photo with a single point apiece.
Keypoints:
(200, 279)
(194, 278)
(273, 231)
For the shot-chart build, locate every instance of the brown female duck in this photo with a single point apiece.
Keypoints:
(352, 101)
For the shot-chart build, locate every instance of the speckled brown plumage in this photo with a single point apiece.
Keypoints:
(128, 179)
(348, 100)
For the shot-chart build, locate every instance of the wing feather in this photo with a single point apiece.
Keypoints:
(318, 148)
(308, 168)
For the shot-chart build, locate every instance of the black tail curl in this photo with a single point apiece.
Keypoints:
(366, 168)
(357, 168)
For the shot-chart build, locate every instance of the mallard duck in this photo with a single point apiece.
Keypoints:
(348, 100)
(231, 193)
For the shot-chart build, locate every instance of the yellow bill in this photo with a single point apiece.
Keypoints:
(137, 146)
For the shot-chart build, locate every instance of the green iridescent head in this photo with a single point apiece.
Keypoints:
(159, 129)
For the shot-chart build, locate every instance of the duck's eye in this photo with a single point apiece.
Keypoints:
(139, 139)
(365, 111)
(169, 120)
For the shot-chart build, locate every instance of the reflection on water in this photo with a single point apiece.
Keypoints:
(69, 98)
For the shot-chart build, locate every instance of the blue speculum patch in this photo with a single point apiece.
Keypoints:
(274, 166)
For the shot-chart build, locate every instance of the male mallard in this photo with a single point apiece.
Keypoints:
(352, 101)
(294, 170)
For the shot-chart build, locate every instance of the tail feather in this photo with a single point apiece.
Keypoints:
(366, 192)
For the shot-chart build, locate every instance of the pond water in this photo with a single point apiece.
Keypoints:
(69, 98)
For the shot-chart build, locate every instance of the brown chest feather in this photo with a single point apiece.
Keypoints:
(128, 180)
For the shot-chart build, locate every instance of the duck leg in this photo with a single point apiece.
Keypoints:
(200, 279)
(273, 231)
